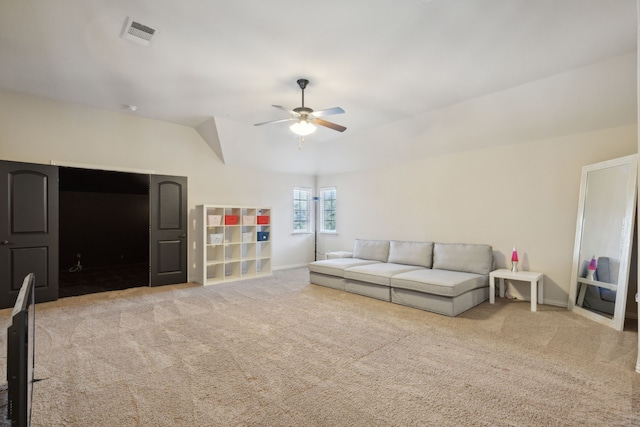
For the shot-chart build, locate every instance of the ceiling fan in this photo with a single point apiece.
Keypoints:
(305, 118)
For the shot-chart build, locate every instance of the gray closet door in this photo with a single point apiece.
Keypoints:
(168, 229)
(28, 230)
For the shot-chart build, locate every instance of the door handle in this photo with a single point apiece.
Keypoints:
(5, 242)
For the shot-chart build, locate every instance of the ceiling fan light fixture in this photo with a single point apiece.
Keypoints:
(303, 117)
(302, 128)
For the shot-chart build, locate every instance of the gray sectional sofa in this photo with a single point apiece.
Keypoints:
(444, 278)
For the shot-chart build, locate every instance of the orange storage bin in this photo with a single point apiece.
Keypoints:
(231, 219)
(263, 219)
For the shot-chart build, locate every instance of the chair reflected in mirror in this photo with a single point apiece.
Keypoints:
(601, 296)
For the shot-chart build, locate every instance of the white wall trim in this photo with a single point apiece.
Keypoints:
(556, 303)
(288, 267)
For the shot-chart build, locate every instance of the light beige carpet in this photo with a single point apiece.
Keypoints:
(281, 352)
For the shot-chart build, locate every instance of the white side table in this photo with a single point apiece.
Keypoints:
(536, 280)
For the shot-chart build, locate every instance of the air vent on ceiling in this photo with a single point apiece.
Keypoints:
(137, 32)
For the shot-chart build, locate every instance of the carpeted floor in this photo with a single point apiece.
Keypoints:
(278, 351)
(4, 398)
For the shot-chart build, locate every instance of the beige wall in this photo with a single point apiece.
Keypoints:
(523, 195)
(37, 130)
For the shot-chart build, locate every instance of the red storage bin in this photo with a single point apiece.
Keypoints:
(231, 219)
(263, 219)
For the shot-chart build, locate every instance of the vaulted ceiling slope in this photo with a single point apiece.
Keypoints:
(415, 77)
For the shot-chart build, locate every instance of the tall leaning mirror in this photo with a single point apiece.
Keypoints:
(604, 237)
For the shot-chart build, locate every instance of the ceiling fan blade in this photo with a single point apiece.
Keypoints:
(293, 113)
(329, 125)
(328, 112)
(275, 121)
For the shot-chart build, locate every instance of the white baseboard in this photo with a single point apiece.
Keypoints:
(557, 303)
(289, 267)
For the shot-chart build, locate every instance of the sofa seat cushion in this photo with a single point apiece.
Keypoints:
(439, 282)
(379, 274)
(336, 267)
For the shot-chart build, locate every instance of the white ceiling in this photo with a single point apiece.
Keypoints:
(401, 69)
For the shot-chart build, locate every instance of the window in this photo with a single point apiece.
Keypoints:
(301, 210)
(328, 210)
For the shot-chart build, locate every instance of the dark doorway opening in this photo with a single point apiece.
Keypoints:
(104, 231)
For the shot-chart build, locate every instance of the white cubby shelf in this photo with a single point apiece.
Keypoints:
(233, 243)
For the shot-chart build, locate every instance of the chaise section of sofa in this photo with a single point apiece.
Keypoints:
(458, 280)
(330, 272)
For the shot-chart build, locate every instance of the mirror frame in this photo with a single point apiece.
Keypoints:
(617, 322)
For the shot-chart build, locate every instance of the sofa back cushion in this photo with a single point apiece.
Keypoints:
(470, 258)
(376, 250)
(411, 253)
